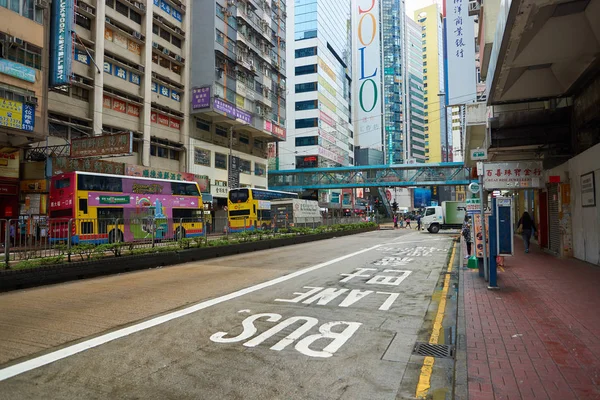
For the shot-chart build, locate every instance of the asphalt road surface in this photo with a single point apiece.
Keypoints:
(335, 319)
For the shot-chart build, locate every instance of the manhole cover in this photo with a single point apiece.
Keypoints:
(433, 350)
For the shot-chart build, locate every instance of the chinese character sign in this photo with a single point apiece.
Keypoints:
(14, 114)
(102, 145)
(459, 30)
(200, 98)
(513, 175)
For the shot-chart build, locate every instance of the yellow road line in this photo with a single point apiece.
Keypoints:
(427, 368)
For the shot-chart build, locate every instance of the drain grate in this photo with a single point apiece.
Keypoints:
(433, 350)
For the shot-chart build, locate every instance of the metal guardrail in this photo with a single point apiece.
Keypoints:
(80, 239)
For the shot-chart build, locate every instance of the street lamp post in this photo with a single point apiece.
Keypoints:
(444, 107)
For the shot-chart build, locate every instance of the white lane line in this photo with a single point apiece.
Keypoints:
(49, 358)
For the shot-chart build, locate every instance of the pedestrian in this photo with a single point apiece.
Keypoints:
(466, 233)
(395, 222)
(12, 232)
(408, 223)
(418, 222)
(528, 227)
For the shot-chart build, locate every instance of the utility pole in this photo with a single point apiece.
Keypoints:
(230, 156)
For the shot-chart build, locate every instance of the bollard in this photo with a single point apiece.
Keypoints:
(69, 238)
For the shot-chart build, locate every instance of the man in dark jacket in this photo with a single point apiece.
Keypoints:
(528, 228)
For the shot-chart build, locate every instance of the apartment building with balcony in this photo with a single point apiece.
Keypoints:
(129, 74)
(238, 86)
(320, 125)
(23, 90)
(415, 105)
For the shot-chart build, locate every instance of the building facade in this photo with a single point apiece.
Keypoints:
(320, 130)
(238, 89)
(23, 92)
(415, 105)
(394, 80)
(430, 20)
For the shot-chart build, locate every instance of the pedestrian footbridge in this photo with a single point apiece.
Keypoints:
(403, 175)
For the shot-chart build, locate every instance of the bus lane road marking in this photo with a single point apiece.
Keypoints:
(40, 361)
(386, 275)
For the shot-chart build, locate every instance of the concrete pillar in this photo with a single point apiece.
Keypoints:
(187, 123)
(147, 61)
(99, 76)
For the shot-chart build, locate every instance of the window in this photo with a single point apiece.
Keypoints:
(201, 156)
(80, 93)
(306, 69)
(307, 105)
(135, 17)
(187, 213)
(83, 205)
(239, 195)
(202, 124)
(307, 162)
(122, 9)
(430, 211)
(82, 21)
(220, 161)
(223, 132)
(26, 54)
(260, 169)
(306, 87)
(176, 41)
(244, 139)
(307, 123)
(165, 35)
(155, 29)
(110, 213)
(162, 152)
(173, 154)
(184, 189)
(245, 166)
(307, 141)
(25, 8)
(99, 183)
(62, 183)
(310, 51)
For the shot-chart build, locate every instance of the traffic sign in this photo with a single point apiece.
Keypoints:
(474, 188)
(479, 154)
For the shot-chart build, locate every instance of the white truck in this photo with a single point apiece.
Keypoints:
(295, 213)
(450, 215)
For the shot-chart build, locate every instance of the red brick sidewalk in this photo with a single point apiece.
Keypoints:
(538, 337)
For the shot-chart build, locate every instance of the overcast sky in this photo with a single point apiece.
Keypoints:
(412, 5)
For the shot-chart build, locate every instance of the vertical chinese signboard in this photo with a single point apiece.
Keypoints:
(233, 178)
(460, 52)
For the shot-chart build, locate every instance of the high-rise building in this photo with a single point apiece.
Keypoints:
(380, 79)
(23, 92)
(320, 131)
(394, 80)
(238, 90)
(415, 105)
(430, 20)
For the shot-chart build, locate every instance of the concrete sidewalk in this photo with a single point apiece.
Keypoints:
(538, 337)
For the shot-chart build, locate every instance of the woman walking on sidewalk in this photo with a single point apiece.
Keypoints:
(528, 228)
(466, 232)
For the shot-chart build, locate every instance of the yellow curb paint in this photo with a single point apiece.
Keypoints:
(427, 368)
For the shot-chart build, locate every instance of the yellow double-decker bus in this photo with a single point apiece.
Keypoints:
(249, 208)
(102, 208)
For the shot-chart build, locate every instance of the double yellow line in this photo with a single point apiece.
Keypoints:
(427, 368)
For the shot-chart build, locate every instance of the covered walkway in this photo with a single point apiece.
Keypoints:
(538, 337)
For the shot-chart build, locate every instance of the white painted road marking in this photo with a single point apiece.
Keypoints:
(49, 358)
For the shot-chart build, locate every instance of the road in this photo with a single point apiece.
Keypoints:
(323, 320)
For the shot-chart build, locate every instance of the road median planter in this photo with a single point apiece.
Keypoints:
(50, 274)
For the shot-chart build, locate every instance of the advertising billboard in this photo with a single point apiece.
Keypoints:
(61, 42)
(368, 71)
(17, 115)
(459, 29)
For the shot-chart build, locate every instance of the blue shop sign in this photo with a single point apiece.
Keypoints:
(17, 70)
